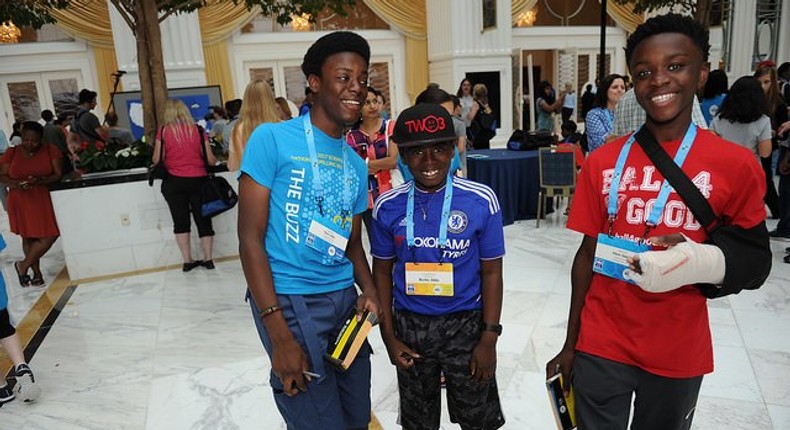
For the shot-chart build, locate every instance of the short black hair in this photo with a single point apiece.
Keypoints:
(669, 23)
(232, 107)
(783, 69)
(569, 126)
(111, 119)
(47, 115)
(717, 84)
(33, 126)
(333, 43)
(86, 96)
(745, 102)
(433, 95)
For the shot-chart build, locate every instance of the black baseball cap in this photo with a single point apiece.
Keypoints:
(421, 124)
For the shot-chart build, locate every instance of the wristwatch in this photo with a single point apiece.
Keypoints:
(496, 328)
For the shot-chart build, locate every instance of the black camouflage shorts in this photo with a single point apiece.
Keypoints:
(445, 344)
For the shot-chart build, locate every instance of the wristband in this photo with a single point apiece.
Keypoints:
(270, 310)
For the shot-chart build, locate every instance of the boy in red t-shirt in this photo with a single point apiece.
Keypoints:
(651, 339)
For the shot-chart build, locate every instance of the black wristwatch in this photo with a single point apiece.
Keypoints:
(496, 328)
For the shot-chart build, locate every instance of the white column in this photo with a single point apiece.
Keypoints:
(742, 38)
(783, 51)
(182, 49)
(458, 45)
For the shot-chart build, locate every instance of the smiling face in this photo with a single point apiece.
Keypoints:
(429, 163)
(372, 107)
(668, 70)
(340, 92)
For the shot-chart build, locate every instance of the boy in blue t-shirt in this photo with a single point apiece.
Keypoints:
(437, 261)
(26, 388)
(301, 192)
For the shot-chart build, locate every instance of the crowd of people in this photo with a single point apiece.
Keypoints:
(308, 185)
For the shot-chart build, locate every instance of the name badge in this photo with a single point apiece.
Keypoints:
(611, 255)
(429, 279)
(327, 237)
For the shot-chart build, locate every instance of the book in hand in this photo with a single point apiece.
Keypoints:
(561, 406)
(352, 336)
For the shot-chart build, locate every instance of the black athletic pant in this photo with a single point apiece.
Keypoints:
(604, 388)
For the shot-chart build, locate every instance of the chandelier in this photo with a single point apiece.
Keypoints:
(300, 22)
(9, 33)
(526, 19)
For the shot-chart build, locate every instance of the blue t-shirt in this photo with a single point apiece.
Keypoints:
(710, 107)
(277, 157)
(474, 231)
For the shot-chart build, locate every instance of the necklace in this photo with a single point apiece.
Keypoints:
(424, 209)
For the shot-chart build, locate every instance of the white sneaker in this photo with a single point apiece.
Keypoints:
(6, 395)
(26, 388)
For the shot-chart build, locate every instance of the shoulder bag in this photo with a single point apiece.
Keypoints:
(216, 195)
(747, 252)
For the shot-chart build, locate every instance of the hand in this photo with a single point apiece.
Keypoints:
(368, 303)
(784, 128)
(288, 363)
(562, 363)
(400, 355)
(665, 241)
(483, 363)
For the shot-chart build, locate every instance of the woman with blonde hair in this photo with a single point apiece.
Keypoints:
(180, 145)
(257, 106)
(480, 114)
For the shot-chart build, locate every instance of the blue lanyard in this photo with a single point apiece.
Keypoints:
(318, 185)
(448, 197)
(663, 195)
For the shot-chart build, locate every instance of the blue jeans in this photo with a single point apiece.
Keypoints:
(337, 400)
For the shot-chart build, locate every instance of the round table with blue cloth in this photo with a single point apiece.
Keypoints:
(513, 175)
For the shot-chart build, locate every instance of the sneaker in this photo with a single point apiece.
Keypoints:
(778, 234)
(209, 264)
(26, 388)
(6, 394)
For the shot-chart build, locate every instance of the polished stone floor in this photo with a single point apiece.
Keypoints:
(169, 350)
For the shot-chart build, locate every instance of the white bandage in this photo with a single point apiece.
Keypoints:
(686, 263)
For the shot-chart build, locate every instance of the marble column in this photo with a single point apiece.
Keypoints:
(742, 38)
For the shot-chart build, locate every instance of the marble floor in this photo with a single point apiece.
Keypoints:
(168, 350)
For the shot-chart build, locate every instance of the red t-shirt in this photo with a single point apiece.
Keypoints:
(665, 334)
(183, 150)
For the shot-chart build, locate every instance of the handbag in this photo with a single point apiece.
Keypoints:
(216, 194)
(747, 252)
(158, 170)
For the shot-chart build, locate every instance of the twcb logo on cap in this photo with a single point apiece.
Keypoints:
(430, 124)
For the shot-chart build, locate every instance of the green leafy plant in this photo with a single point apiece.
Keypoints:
(102, 157)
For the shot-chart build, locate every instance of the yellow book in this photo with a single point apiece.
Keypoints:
(350, 339)
(562, 407)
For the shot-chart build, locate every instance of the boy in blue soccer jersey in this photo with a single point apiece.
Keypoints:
(437, 261)
(301, 192)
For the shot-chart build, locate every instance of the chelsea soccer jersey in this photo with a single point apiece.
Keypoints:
(474, 233)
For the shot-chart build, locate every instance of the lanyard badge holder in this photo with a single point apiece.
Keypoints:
(429, 279)
(611, 253)
(328, 234)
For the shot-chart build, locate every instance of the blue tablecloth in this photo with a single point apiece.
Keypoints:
(513, 175)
